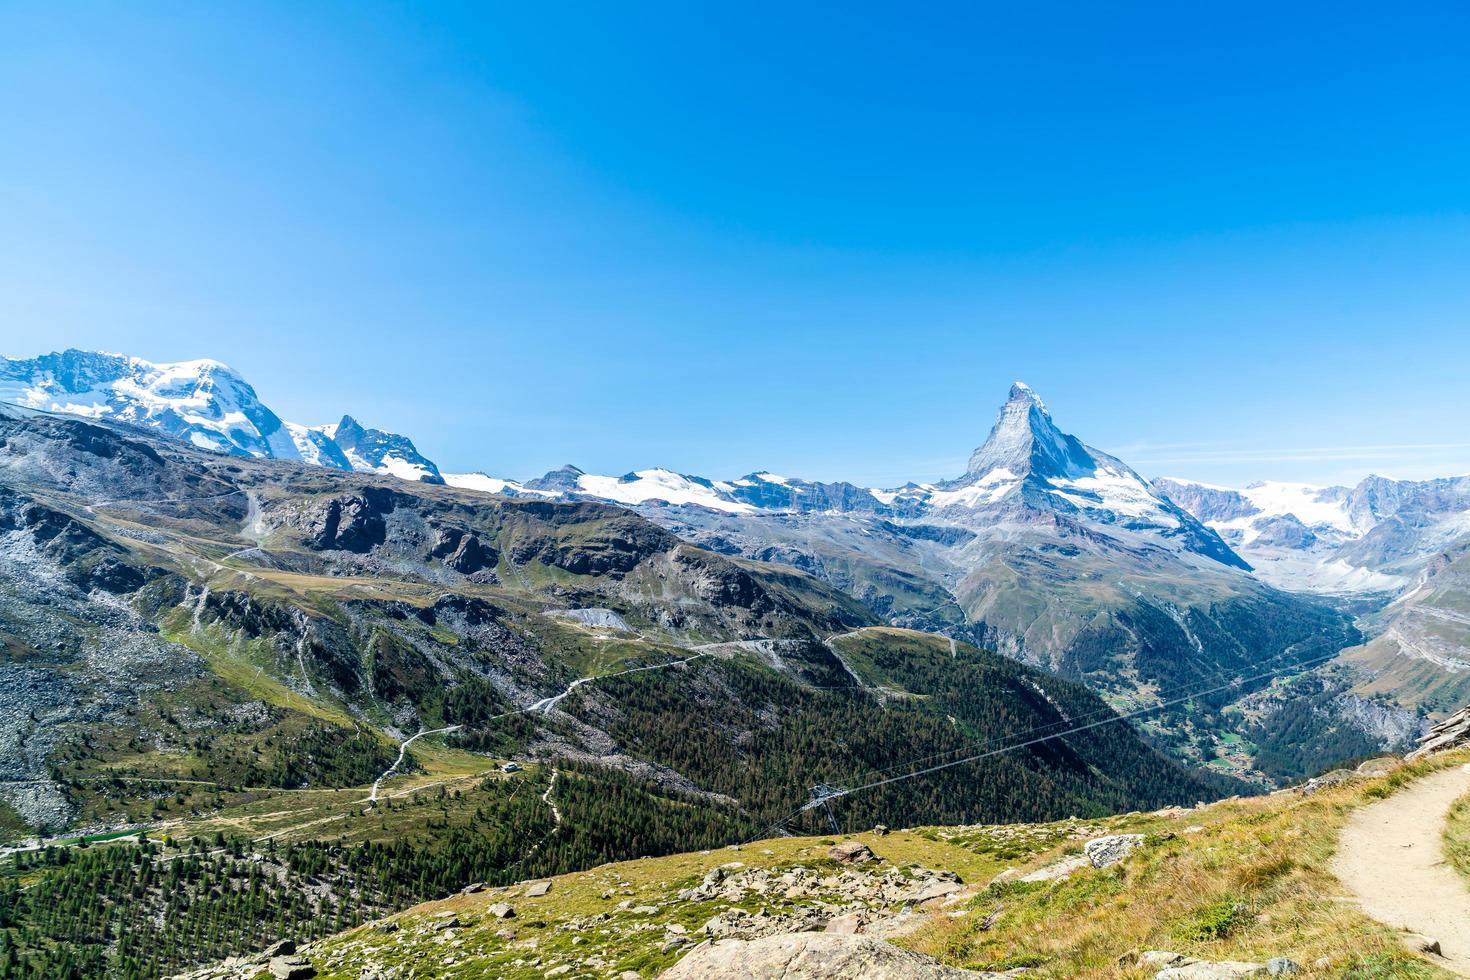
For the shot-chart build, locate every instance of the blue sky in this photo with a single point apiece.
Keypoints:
(1228, 242)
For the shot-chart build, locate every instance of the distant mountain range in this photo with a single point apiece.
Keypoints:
(1044, 548)
(205, 403)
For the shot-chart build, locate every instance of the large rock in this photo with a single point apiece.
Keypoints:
(850, 852)
(1104, 851)
(812, 956)
(1451, 733)
(291, 968)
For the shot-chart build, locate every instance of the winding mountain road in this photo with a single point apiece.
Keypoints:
(1391, 856)
(402, 751)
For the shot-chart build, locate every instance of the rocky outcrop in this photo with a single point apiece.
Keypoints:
(1105, 851)
(850, 852)
(1451, 733)
(353, 522)
(812, 956)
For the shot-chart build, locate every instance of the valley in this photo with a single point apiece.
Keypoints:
(250, 693)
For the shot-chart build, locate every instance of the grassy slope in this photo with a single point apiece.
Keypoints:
(1243, 879)
(1457, 837)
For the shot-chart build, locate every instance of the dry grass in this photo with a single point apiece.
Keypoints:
(1457, 837)
(1251, 883)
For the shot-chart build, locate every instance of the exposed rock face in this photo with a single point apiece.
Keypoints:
(1105, 851)
(812, 956)
(1451, 733)
(354, 522)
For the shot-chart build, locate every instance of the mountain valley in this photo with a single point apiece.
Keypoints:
(311, 672)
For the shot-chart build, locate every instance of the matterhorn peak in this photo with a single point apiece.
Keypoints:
(1025, 441)
(1020, 390)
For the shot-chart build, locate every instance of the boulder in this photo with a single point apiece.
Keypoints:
(291, 968)
(1280, 966)
(845, 925)
(1422, 944)
(501, 911)
(851, 852)
(1104, 851)
(284, 947)
(812, 956)
(932, 890)
(537, 889)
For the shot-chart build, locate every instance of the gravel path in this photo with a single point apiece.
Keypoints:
(1391, 857)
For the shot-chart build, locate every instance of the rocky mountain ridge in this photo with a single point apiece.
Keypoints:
(205, 403)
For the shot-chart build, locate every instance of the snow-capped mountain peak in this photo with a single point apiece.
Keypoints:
(204, 402)
(1025, 441)
(377, 451)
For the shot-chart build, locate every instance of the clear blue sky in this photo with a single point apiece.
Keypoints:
(1228, 241)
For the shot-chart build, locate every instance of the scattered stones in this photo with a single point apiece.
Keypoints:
(1105, 851)
(851, 852)
(812, 954)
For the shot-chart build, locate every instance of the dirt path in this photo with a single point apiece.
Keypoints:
(1391, 857)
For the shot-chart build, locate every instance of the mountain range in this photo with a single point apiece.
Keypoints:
(371, 684)
(1048, 550)
(204, 403)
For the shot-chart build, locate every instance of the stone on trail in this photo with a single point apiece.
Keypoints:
(1422, 944)
(851, 852)
(812, 956)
